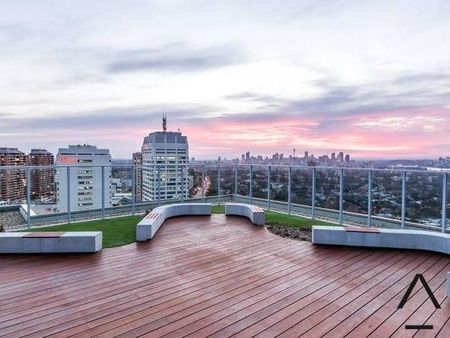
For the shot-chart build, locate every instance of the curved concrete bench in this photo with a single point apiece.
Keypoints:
(151, 223)
(50, 242)
(252, 212)
(382, 238)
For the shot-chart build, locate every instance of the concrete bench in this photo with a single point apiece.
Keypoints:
(50, 242)
(382, 238)
(253, 213)
(151, 223)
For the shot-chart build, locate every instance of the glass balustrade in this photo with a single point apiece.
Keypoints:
(32, 196)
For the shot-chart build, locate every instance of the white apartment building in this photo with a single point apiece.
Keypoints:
(81, 186)
(164, 159)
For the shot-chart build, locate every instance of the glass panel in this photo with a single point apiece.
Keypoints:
(386, 198)
(424, 198)
(260, 185)
(279, 188)
(301, 193)
(118, 189)
(301, 186)
(195, 182)
(227, 181)
(327, 194)
(85, 190)
(327, 188)
(356, 193)
(211, 181)
(12, 198)
(138, 198)
(43, 196)
(243, 173)
(279, 184)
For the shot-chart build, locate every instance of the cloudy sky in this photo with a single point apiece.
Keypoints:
(371, 78)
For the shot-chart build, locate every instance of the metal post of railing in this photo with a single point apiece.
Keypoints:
(251, 184)
(69, 216)
(133, 189)
(182, 184)
(159, 184)
(235, 182)
(103, 192)
(369, 199)
(203, 183)
(444, 201)
(176, 183)
(403, 211)
(341, 195)
(28, 175)
(218, 183)
(289, 188)
(268, 187)
(313, 194)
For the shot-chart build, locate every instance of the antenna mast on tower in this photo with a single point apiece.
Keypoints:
(164, 122)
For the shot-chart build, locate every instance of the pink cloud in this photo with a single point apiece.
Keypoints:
(387, 134)
(390, 134)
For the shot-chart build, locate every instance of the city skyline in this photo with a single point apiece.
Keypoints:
(365, 79)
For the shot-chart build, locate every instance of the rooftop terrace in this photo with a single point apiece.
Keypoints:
(220, 276)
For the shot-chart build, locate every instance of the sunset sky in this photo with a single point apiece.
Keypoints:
(370, 78)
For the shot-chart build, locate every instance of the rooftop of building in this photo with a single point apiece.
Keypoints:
(82, 147)
(5, 150)
(165, 137)
(220, 276)
(81, 150)
(40, 151)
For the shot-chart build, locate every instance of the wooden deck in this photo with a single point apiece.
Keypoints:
(221, 276)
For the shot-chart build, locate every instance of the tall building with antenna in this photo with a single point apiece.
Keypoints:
(164, 158)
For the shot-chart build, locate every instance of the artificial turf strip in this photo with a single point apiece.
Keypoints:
(116, 231)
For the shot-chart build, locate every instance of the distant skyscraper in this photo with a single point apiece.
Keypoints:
(306, 155)
(247, 156)
(333, 157)
(86, 178)
(164, 156)
(12, 181)
(42, 180)
(137, 162)
(347, 158)
(341, 157)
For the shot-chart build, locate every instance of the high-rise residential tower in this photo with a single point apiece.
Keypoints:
(347, 158)
(42, 180)
(12, 181)
(164, 173)
(83, 178)
(137, 162)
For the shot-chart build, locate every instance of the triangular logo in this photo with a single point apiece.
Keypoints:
(427, 289)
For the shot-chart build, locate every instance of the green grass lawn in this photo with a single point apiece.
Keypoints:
(116, 231)
(278, 218)
(122, 230)
(291, 221)
(218, 209)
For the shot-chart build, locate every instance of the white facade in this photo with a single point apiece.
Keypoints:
(85, 178)
(164, 172)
